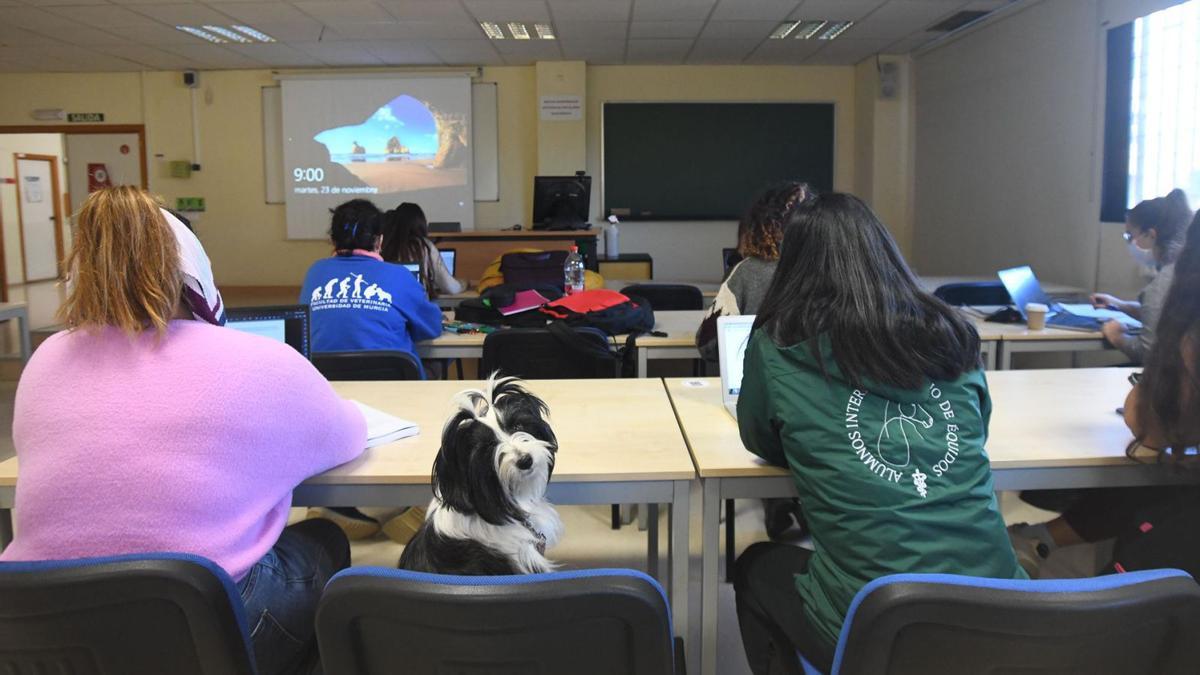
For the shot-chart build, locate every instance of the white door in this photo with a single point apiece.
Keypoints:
(36, 194)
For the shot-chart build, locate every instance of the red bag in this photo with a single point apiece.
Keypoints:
(610, 311)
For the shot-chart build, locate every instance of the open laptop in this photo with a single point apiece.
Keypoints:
(733, 334)
(448, 256)
(1024, 288)
(415, 268)
(286, 323)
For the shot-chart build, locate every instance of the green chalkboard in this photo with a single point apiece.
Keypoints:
(706, 161)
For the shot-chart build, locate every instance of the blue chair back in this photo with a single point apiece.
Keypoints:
(1126, 624)
(124, 615)
(373, 621)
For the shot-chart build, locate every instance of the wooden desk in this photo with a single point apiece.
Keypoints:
(20, 312)
(478, 248)
(680, 343)
(1049, 429)
(618, 440)
(1011, 338)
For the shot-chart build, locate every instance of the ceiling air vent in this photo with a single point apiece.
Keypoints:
(956, 21)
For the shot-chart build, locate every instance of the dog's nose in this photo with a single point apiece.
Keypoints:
(525, 463)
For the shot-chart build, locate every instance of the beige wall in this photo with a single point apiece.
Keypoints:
(34, 144)
(884, 147)
(246, 237)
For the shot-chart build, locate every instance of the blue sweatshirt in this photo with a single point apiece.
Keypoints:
(359, 303)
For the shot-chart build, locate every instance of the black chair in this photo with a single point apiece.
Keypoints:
(973, 293)
(539, 354)
(124, 615)
(667, 297)
(1138, 623)
(376, 621)
(381, 365)
(729, 259)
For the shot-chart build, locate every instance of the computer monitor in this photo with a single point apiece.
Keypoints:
(448, 256)
(286, 323)
(561, 202)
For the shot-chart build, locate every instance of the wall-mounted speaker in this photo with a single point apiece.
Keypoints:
(191, 79)
(889, 79)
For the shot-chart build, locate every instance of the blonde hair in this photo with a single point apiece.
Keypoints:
(123, 270)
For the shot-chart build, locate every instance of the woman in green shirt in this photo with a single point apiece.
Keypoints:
(871, 391)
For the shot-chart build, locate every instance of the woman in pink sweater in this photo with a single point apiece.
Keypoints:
(144, 427)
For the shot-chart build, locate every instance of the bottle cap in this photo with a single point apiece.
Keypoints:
(574, 249)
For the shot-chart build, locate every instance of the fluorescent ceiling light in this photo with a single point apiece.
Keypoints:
(254, 33)
(226, 33)
(784, 30)
(492, 29)
(806, 29)
(835, 29)
(518, 30)
(544, 31)
(202, 34)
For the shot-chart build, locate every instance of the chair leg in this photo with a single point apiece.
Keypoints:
(459, 365)
(616, 516)
(730, 536)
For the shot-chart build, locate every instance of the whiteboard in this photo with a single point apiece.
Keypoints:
(485, 134)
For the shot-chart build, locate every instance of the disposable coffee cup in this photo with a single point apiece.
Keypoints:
(1035, 313)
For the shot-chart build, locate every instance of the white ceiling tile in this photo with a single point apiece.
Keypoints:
(985, 5)
(413, 30)
(276, 55)
(128, 3)
(344, 11)
(847, 52)
(12, 36)
(835, 10)
(721, 51)
(671, 10)
(265, 12)
(665, 29)
(457, 52)
(541, 50)
(508, 10)
(104, 16)
(406, 53)
(31, 18)
(208, 56)
(595, 51)
(592, 30)
(308, 30)
(149, 57)
(219, 2)
(425, 10)
(784, 51)
(590, 10)
(155, 34)
(910, 43)
(184, 15)
(754, 10)
(52, 3)
(899, 19)
(339, 53)
(76, 34)
(738, 30)
(362, 31)
(658, 51)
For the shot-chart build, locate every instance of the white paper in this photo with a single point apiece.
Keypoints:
(383, 428)
(1086, 309)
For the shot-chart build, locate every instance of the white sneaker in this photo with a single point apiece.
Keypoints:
(1031, 552)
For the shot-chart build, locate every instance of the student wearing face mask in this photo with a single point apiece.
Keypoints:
(1155, 230)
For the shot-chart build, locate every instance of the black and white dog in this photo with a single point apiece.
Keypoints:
(489, 513)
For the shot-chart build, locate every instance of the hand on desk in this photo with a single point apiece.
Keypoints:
(1114, 332)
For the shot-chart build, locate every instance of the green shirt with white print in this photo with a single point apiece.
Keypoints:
(892, 481)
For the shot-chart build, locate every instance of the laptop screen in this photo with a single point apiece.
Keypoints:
(733, 335)
(448, 255)
(285, 323)
(1023, 287)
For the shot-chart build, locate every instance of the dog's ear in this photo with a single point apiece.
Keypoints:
(518, 409)
(464, 472)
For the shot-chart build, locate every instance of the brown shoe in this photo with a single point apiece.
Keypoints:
(355, 527)
(403, 527)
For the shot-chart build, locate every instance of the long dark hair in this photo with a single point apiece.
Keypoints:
(405, 232)
(842, 275)
(1169, 379)
(354, 224)
(760, 231)
(1168, 217)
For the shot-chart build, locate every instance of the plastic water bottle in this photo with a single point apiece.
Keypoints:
(573, 272)
(612, 249)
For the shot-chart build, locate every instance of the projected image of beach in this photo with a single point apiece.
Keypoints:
(404, 145)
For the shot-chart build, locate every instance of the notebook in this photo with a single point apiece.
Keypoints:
(383, 428)
(523, 302)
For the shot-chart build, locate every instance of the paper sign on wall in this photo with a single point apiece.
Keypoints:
(98, 177)
(561, 107)
(33, 189)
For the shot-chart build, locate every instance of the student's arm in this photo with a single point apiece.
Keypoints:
(756, 421)
(442, 280)
(1148, 427)
(1105, 301)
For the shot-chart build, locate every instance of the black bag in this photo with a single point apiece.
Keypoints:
(534, 270)
(1164, 533)
(610, 315)
(484, 308)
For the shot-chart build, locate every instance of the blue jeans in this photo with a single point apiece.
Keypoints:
(282, 589)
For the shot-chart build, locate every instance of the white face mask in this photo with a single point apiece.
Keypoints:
(1142, 256)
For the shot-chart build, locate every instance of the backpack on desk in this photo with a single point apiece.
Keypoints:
(608, 311)
(532, 270)
(484, 308)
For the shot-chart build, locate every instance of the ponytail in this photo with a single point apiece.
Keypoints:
(1169, 216)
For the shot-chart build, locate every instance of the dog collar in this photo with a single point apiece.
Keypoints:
(541, 538)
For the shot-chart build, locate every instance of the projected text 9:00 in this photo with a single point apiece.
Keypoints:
(314, 175)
